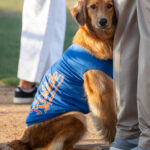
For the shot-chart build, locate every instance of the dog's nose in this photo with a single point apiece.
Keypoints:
(103, 21)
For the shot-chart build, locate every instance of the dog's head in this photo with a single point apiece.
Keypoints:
(97, 15)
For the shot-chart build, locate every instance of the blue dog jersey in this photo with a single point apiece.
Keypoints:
(61, 89)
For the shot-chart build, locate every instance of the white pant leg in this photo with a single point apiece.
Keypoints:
(42, 39)
(143, 11)
(126, 47)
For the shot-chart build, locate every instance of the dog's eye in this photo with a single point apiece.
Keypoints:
(109, 6)
(93, 6)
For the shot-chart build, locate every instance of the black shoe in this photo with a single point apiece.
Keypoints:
(22, 97)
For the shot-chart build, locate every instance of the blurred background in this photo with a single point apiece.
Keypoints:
(10, 31)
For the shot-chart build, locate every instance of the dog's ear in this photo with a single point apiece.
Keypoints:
(79, 12)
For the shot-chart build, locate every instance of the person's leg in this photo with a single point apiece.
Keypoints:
(42, 37)
(125, 70)
(53, 41)
(26, 85)
(35, 14)
(34, 21)
(143, 12)
(42, 40)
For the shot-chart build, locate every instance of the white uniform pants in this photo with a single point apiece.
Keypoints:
(132, 70)
(42, 39)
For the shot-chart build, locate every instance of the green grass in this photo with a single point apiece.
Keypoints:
(10, 30)
(71, 28)
(11, 5)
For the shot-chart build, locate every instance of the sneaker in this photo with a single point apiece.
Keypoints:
(141, 148)
(23, 97)
(119, 144)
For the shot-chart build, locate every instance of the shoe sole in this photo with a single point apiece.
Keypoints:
(113, 148)
(23, 100)
(122, 146)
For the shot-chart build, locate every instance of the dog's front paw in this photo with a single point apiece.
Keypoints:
(108, 132)
(106, 128)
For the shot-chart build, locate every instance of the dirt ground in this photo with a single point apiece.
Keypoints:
(12, 122)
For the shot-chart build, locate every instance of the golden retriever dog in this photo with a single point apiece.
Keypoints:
(97, 22)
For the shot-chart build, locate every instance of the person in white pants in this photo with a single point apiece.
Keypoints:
(132, 75)
(42, 40)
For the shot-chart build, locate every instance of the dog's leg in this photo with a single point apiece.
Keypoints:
(99, 89)
(68, 135)
(59, 133)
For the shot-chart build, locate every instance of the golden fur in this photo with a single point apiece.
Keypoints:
(62, 132)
